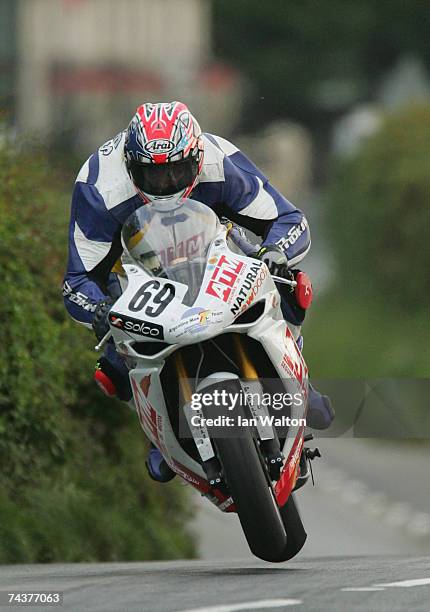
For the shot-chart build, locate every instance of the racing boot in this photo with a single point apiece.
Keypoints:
(320, 409)
(157, 467)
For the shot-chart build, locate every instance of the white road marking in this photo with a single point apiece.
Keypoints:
(347, 589)
(248, 605)
(381, 587)
(406, 583)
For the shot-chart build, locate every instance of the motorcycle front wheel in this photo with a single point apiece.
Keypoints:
(254, 499)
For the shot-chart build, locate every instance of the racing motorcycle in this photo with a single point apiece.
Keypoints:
(200, 317)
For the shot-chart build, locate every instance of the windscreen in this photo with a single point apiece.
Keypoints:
(170, 239)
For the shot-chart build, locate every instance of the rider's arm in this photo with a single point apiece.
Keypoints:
(93, 247)
(260, 206)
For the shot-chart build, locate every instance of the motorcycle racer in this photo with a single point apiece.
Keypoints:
(164, 154)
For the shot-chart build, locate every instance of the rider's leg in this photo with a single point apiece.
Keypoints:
(320, 410)
(114, 379)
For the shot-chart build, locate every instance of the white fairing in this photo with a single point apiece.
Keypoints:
(231, 284)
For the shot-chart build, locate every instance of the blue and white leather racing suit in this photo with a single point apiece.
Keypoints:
(104, 196)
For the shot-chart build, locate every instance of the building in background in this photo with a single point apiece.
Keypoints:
(84, 65)
(8, 53)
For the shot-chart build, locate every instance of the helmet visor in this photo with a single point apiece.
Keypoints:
(163, 179)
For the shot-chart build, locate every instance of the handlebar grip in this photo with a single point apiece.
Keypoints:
(251, 250)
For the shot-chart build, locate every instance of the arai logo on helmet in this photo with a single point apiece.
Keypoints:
(159, 146)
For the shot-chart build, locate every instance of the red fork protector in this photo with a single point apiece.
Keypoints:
(303, 290)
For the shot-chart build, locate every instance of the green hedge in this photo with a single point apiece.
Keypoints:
(374, 320)
(72, 484)
(379, 213)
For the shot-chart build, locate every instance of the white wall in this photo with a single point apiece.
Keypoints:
(168, 37)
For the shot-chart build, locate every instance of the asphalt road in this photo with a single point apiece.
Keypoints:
(344, 583)
(369, 498)
(368, 525)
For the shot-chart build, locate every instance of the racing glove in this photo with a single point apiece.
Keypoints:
(100, 320)
(275, 259)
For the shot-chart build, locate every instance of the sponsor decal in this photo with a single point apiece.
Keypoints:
(116, 321)
(293, 234)
(295, 457)
(150, 420)
(289, 473)
(250, 287)
(294, 367)
(145, 384)
(194, 320)
(111, 145)
(135, 326)
(292, 361)
(224, 277)
(159, 146)
(67, 289)
(78, 298)
(190, 248)
(225, 504)
(204, 316)
(190, 476)
(211, 263)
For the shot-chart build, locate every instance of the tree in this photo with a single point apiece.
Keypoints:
(310, 58)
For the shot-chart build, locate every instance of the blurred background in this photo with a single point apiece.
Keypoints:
(332, 101)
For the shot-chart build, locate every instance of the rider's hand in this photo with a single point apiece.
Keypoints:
(275, 259)
(100, 320)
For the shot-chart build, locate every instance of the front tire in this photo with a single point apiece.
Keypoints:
(273, 534)
(255, 502)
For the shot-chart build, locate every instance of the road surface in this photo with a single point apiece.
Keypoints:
(314, 585)
(368, 549)
(369, 498)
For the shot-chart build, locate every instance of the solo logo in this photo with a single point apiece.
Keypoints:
(143, 328)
